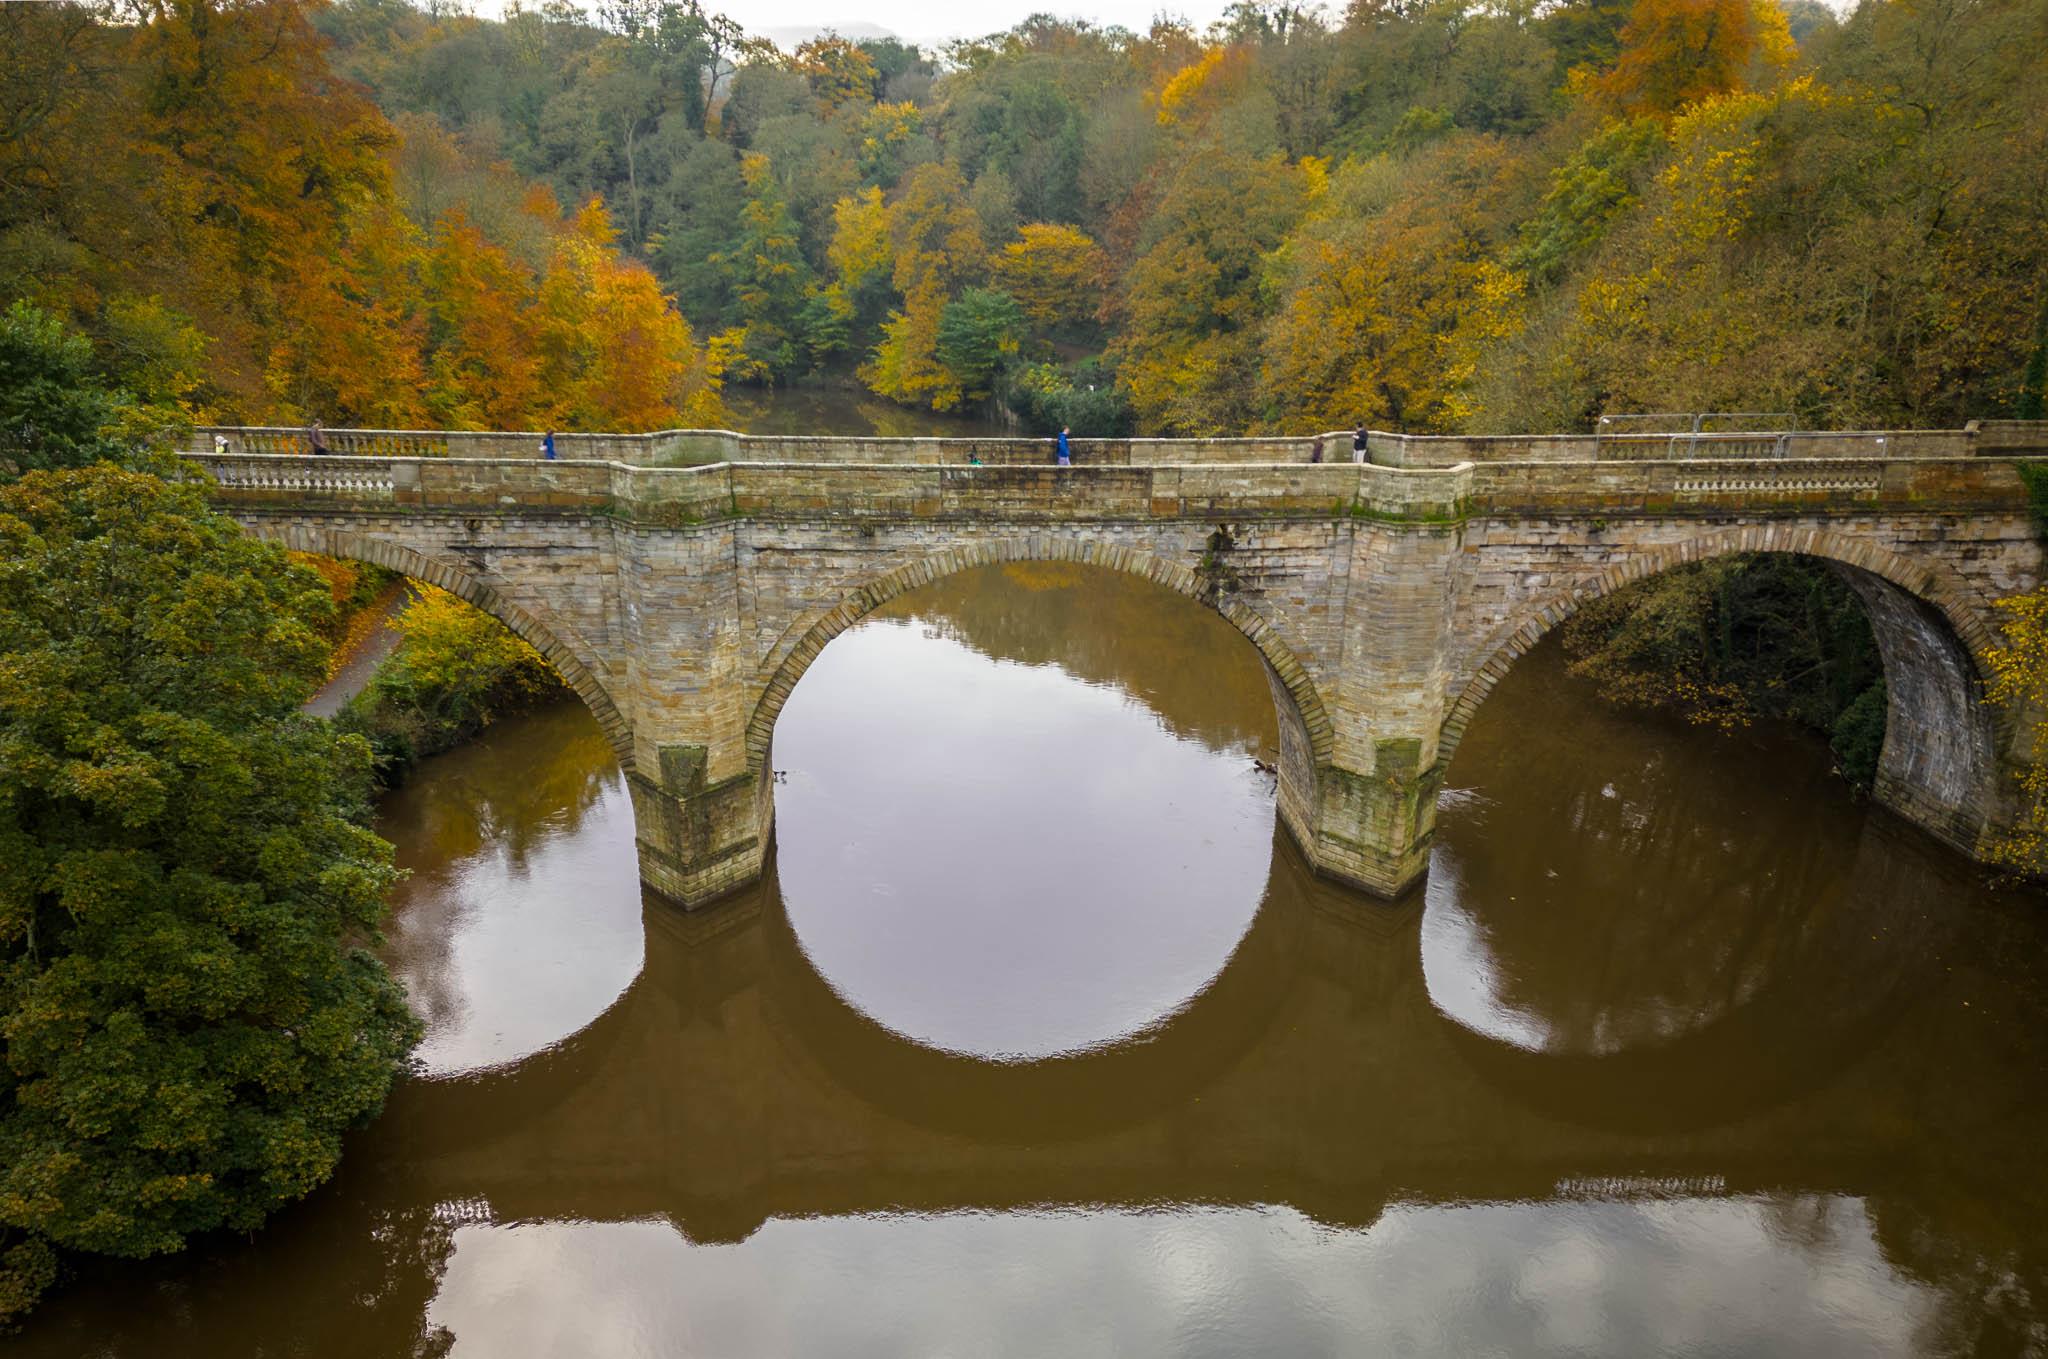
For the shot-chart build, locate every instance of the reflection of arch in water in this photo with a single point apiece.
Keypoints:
(1064, 1096)
(537, 629)
(1939, 763)
(1306, 736)
(1814, 1021)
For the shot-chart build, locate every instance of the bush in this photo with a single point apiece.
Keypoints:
(457, 670)
(1085, 397)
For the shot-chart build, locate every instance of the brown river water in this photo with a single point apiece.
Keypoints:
(1039, 1039)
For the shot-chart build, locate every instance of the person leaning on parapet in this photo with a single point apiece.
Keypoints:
(1358, 445)
(547, 445)
(1064, 449)
(316, 437)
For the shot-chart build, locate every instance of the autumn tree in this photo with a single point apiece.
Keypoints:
(770, 276)
(937, 244)
(1679, 52)
(486, 368)
(1052, 271)
(1187, 348)
(192, 1017)
(1389, 302)
(2019, 685)
(614, 353)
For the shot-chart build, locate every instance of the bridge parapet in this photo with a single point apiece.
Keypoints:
(677, 497)
(704, 447)
(1386, 599)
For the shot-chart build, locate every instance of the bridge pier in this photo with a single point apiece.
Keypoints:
(698, 841)
(683, 603)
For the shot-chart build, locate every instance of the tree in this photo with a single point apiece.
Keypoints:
(979, 331)
(1052, 271)
(486, 369)
(1679, 52)
(614, 353)
(192, 1016)
(1188, 349)
(54, 411)
(770, 277)
(1384, 317)
(937, 243)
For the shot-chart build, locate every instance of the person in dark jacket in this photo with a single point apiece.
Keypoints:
(1358, 445)
(317, 438)
(547, 446)
(1315, 451)
(1065, 449)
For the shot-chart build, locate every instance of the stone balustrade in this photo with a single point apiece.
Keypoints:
(683, 581)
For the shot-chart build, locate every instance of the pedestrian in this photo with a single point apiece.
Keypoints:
(220, 444)
(547, 446)
(1358, 445)
(1315, 451)
(317, 437)
(1066, 450)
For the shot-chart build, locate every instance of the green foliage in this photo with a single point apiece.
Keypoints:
(1085, 398)
(55, 411)
(1858, 736)
(979, 332)
(187, 894)
(1726, 641)
(457, 670)
(1600, 182)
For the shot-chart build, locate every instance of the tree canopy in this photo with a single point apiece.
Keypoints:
(191, 1016)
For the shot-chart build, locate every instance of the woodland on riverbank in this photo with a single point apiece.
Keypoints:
(1421, 216)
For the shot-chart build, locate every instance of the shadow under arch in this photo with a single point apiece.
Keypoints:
(1303, 717)
(1945, 724)
(1060, 1097)
(525, 623)
(1814, 1022)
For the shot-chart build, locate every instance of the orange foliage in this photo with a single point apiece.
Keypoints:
(1679, 52)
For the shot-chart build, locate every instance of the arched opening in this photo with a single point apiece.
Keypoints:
(1026, 810)
(1305, 734)
(530, 626)
(1938, 767)
(1656, 921)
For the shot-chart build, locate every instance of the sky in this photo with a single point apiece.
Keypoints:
(921, 21)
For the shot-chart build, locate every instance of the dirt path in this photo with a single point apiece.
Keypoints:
(377, 642)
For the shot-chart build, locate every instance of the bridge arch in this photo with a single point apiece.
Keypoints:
(1310, 723)
(471, 589)
(1939, 764)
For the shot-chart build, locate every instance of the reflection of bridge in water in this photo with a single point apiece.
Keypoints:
(730, 1085)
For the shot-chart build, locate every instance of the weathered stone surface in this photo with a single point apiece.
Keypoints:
(684, 602)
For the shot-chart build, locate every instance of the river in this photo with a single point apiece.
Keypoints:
(1039, 1039)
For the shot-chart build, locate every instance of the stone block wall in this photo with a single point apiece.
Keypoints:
(686, 602)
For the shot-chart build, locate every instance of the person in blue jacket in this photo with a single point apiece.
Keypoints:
(1066, 450)
(547, 446)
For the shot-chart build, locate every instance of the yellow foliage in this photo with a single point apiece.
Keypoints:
(2019, 684)
(1186, 84)
(1387, 317)
(1052, 272)
(861, 249)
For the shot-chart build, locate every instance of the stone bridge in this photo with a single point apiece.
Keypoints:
(683, 582)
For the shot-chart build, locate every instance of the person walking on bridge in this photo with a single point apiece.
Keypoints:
(1359, 444)
(316, 437)
(547, 446)
(1065, 449)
